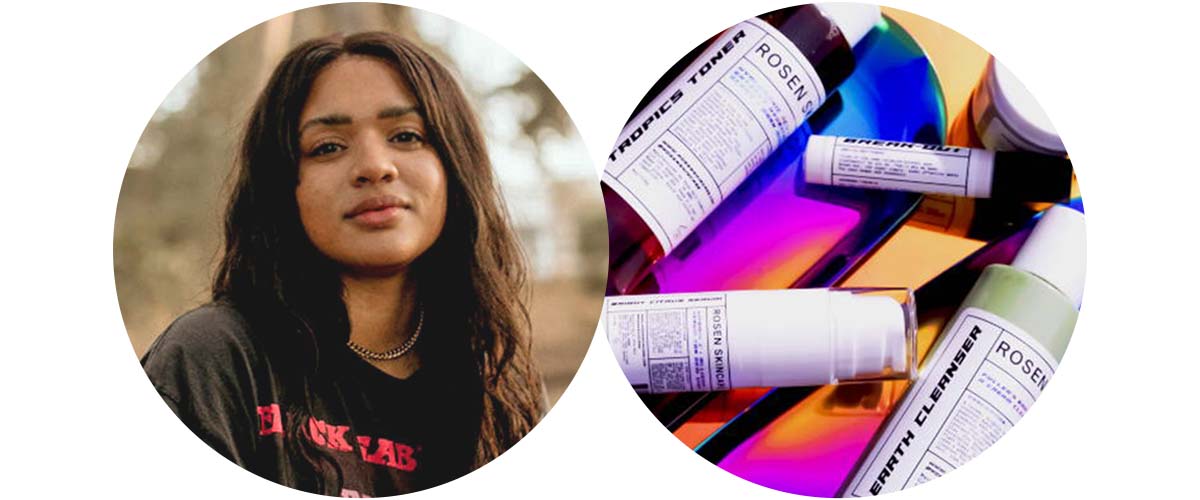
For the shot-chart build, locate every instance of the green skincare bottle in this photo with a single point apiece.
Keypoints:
(988, 366)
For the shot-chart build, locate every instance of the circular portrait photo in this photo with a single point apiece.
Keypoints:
(359, 250)
(846, 250)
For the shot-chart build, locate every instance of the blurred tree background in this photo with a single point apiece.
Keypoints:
(168, 226)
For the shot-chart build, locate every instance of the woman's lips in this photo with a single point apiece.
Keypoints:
(376, 212)
(382, 217)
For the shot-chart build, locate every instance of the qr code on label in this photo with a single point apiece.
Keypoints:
(668, 376)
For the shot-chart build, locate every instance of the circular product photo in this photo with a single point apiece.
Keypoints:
(846, 250)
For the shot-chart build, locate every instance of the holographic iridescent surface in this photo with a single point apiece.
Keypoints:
(774, 228)
(893, 94)
(811, 448)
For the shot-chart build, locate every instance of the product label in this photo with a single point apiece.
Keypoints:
(983, 376)
(899, 166)
(671, 343)
(715, 341)
(692, 145)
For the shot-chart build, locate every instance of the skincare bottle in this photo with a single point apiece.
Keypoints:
(988, 366)
(687, 148)
(857, 410)
(936, 169)
(761, 338)
(1001, 105)
(1002, 115)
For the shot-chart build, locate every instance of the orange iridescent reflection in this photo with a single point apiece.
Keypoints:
(812, 447)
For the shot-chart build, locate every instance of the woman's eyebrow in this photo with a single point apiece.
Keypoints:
(397, 111)
(334, 119)
(340, 119)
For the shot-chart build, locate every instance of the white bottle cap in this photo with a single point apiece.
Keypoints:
(1056, 251)
(871, 336)
(818, 159)
(1019, 111)
(854, 19)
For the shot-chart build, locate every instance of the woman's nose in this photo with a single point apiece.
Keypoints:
(373, 165)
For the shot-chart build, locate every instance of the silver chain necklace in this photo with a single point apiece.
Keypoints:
(391, 354)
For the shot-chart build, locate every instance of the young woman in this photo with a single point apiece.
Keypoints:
(368, 333)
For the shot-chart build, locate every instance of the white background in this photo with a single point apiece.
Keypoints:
(80, 82)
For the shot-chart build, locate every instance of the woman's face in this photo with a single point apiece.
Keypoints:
(372, 191)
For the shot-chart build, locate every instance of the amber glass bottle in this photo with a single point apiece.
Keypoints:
(712, 119)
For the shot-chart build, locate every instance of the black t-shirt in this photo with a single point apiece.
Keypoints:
(386, 435)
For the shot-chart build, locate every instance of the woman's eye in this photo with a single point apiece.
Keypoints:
(407, 136)
(325, 148)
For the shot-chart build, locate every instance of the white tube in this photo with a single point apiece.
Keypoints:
(899, 166)
(724, 340)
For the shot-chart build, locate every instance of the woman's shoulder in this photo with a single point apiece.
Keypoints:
(208, 348)
(207, 370)
(212, 329)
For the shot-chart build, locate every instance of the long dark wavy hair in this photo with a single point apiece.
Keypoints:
(471, 281)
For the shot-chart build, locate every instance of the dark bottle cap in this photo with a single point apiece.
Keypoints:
(1020, 175)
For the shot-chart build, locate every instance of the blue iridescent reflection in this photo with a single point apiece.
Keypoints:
(775, 231)
(823, 231)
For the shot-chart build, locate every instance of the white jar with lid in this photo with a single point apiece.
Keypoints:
(1007, 117)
